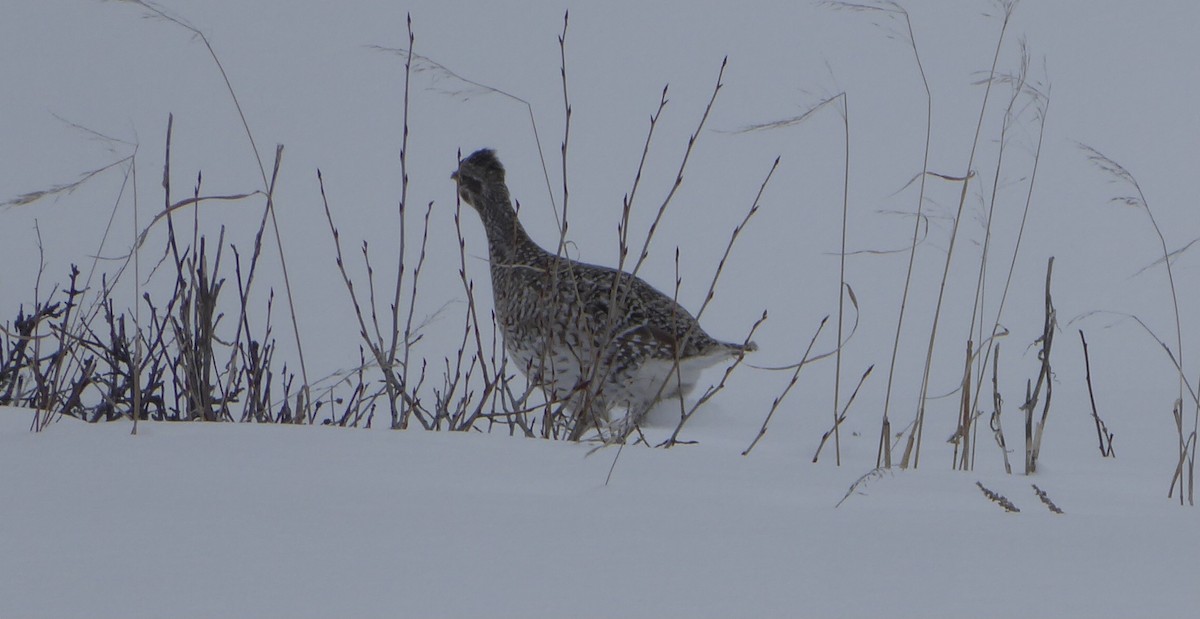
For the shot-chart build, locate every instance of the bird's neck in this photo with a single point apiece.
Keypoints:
(508, 242)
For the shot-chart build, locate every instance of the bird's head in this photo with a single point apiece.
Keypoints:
(479, 174)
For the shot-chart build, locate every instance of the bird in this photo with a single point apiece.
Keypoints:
(593, 338)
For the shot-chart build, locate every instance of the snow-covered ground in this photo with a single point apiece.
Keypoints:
(197, 520)
(202, 520)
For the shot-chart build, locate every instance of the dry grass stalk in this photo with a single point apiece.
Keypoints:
(967, 429)
(1182, 468)
(837, 378)
(843, 288)
(962, 436)
(867, 477)
(884, 456)
(997, 404)
(1187, 441)
(1039, 102)
(63, 188)
(1104, 437)
(1138, 200)
(1033, 439)
(1185, 471)
(913, 447)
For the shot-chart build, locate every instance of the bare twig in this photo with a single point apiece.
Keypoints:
(791, 383)
(998, 499)
(400, 418)
(1045, 499)
(842, 416)
(268, 185)
(1102, 434)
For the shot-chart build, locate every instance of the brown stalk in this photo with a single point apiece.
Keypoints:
(913, 448)
(1033, 440)
(1102, 434)
(997, 401)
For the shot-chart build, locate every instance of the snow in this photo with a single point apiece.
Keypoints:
(194, 520)
(245, 520)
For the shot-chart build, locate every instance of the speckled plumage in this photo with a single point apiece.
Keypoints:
(592, 336)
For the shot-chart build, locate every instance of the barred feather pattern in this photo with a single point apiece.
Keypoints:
(593, 337)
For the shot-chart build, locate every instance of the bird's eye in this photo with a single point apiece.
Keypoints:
(467, 186)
